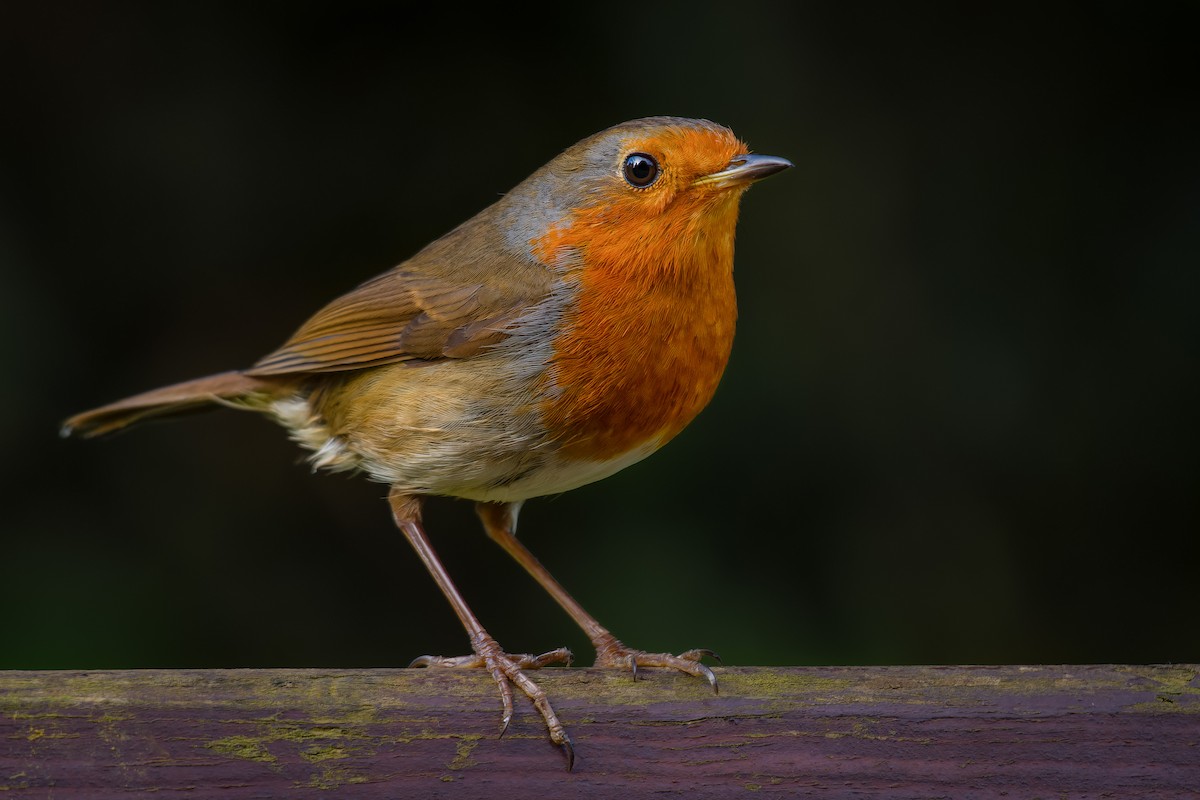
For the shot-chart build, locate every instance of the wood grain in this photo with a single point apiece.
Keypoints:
(894, 732)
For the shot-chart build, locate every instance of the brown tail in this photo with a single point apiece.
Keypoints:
(178, 398)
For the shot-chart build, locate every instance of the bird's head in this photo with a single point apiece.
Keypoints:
(652, 189)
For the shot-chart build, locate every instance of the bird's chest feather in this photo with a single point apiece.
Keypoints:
(644, 349)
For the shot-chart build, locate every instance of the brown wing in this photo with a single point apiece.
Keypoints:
(398, 316)
(451, 300)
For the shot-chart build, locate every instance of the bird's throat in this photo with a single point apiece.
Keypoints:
(644, 350)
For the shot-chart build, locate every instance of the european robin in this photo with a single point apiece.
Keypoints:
(563, 333)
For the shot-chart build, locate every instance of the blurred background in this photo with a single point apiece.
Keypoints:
(959, 425)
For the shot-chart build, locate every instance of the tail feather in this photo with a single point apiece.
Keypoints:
(226, 388)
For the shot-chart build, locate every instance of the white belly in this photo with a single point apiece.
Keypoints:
(465, 456)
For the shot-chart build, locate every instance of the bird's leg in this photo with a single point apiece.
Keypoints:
(500, 522)
(504, 668)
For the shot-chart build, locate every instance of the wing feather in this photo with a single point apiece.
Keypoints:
(423, 309)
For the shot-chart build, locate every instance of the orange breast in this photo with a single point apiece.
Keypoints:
(643, 350)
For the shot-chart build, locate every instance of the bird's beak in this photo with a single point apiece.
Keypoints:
(744, 169)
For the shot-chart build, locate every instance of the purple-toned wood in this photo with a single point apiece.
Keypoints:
(894, 732)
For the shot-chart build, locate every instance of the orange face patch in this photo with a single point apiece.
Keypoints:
(646, 343)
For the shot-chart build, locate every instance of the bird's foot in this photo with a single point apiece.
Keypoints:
(612, 653)
(562, 656)
(506, 670)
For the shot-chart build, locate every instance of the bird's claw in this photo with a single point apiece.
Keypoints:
(615, 654)
(699, 653)
(562, 657)
(506, 671)
(472, 661)
(569, 751)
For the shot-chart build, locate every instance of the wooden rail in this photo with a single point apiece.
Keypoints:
(894, 732)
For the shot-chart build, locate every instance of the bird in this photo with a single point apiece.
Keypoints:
(565, 332)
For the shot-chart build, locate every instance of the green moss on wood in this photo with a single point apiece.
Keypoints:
(247, 748)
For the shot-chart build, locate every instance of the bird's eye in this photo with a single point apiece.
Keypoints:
(641, 170)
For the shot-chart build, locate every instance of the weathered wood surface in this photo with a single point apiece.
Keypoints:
(894, 732)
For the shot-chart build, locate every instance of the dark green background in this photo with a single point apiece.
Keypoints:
(960, 420)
